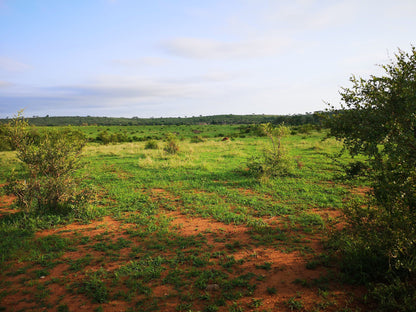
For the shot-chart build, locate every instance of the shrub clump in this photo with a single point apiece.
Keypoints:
(48, 167)
(274, 160)
(197, 139)
(377, 120)
(171, 146)
(151, 144)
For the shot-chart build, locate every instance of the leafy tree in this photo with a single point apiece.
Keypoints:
(378, 119)
(49, 162)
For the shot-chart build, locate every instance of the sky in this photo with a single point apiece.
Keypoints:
(165, 58)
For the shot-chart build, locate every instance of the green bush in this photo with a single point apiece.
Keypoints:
(377, 120)
(274, 160)
(171, 146)
(151, 144)
(105, 137)
(48, 165)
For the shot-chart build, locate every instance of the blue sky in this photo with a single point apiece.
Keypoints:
(188, 58)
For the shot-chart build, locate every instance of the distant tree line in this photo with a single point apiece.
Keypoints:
(290, 120)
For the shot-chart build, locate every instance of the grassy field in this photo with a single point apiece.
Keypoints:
(194, 231)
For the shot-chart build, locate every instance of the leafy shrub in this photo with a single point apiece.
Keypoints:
(378, 120)
(254, 129)
(397, 296)
(4, 142)
(171, 146)
(105, 138)
(274, 161)
(49, 165)
(151, 144)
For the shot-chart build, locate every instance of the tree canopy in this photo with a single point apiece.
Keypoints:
(377, 119)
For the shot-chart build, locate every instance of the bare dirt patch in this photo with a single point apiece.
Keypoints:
(282, 280)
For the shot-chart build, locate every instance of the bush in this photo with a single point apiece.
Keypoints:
(4, 142)
(151, 144)
(105, 138)
(274, 160)
(171, 146)
(49, 165)
(378, 120)
(197, 139)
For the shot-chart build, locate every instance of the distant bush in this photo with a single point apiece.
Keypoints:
(254, 129)
(151, 144)
(105, 137)
(197, 139)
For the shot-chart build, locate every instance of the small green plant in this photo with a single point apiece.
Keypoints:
(94, 287)
(272, 290)
(294, 305)
(256, 303)
(266, 266)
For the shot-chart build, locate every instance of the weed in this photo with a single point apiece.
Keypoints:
(294, 304)
(272, 290)
(265, 266)
(94, 287)
(256, 303)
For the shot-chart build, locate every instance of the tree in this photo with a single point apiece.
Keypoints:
(378, 119)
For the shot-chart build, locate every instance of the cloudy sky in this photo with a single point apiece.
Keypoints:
(191, 57)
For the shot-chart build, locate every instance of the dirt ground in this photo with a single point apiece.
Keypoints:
(287, 281)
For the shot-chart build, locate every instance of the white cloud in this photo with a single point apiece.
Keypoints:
(214, 49)
(10, 65)
(140, 62)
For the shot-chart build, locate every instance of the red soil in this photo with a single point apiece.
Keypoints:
(285, 268)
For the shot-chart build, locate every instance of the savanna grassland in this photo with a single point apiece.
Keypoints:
(188, 231)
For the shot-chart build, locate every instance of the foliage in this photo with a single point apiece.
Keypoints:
(4, 143)
(274, 161)
(151, 144)
(171, 146)
(230, 119)
(378, 120)
(140, 189)
(94, 287)
(197, 139)
(105, 138)
(49, 164)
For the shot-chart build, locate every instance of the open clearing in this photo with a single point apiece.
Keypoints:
(186, 232)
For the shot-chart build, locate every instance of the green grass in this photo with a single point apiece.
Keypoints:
(145, 190)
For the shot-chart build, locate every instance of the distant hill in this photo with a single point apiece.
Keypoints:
(292, 120)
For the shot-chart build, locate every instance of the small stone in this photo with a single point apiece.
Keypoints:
(42, 276)
(212, 287)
